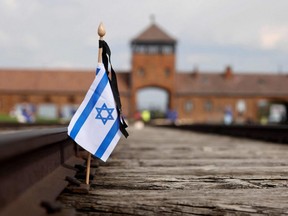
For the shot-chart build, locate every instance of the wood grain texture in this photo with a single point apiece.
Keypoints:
(170, 172)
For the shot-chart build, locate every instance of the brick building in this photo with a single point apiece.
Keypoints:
(196, 96)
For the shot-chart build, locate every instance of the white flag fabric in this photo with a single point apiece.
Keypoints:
(95, 125)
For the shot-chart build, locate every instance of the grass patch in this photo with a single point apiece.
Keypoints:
(7, 118)
(46, 121)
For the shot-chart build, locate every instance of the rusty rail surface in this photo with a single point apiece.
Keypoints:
(34, 164)
(273, 133)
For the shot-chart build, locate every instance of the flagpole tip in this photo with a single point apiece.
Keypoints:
(101, 30)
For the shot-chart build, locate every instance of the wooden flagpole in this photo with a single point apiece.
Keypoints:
(88, 168)
(101, 33)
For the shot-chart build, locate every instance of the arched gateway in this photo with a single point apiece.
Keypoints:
(153, 99)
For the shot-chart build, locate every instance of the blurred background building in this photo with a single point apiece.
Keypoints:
(153, 84)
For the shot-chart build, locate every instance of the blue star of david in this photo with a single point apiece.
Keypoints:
(108, 113)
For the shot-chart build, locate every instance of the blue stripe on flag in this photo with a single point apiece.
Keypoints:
(89, 107)
(107, 140)
(97, 70)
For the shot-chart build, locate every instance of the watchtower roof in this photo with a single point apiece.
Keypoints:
(154, 34)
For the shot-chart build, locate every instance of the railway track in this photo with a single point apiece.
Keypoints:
(34, 165)
(272, 133)
(36, 162)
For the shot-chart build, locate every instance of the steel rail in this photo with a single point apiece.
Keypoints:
(29, 157)
(273, 133)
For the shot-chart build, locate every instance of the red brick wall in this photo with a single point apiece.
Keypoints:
(152, 70)
(199, 112)
(9, 100)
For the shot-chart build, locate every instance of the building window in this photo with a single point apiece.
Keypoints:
(208, 106)
(167, 49)
(141, 72)
(153, 49)
(139, 49)
(167, 72)
(263, 110)
(47, 99)
(71, 99)
(47, 111)
(188, 106)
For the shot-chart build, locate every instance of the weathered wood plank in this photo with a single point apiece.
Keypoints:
(171, 172)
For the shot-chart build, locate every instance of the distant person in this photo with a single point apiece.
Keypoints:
(26, 113)
(228, 116)
(146, 116)
(137, 116)
(172, 115)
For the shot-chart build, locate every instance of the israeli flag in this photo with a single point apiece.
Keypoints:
(95, 125)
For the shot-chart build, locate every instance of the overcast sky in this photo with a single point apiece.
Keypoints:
(249, 35)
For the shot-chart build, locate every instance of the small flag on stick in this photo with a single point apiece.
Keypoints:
(97, 124)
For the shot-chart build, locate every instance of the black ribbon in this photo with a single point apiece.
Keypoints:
(106, 58)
